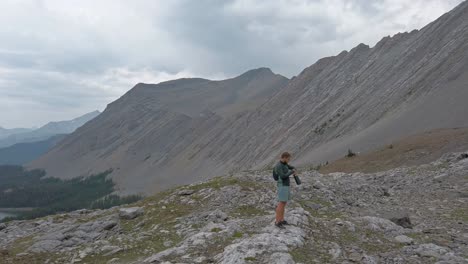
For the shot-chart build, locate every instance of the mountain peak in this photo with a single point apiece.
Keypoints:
(257, 71)
(180, 81)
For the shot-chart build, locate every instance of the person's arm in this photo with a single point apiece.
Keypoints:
(281, 173)
(294, 171)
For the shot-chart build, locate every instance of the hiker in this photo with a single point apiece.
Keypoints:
(281, 173)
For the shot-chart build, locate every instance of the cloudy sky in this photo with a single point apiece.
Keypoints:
(60, 59)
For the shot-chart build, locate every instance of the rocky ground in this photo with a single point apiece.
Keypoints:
(406, 215)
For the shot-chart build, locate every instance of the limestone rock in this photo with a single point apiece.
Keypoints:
(430, 250)
(217, 216)
(186, 192)
(404, 239)
(130, 213)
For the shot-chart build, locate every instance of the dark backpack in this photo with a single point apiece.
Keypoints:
(275, 176)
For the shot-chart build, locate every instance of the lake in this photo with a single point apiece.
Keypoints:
(3, 215)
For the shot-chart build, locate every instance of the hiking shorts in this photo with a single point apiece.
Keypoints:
(284, 193)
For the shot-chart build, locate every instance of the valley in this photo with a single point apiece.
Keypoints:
(29, 194)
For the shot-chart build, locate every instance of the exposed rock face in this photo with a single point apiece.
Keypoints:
(360, 99)
(131, 213)
(230, 220)
(155, 128)
(271, 240)
(162, 134)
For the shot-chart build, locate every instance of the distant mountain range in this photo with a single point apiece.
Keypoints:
(21, 135)
(22, 153)
(21, 145)
(182, 131)
(5, 132)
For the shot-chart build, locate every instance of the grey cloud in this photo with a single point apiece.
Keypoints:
(64, 58)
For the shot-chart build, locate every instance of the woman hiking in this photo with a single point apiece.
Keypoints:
(282, 172)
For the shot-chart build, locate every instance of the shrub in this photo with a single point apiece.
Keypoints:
(350, 153)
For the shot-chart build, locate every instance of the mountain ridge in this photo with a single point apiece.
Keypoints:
(5, 132)
(360, 99)
(151, 132)
(48, 130)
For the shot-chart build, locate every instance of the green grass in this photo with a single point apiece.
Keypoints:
(317, 201)
(375, 242)
(237, 234)
(138, 250)
(419, 237)
(216, 183)
(460, 214)
(369, 241)
(166, 219)
(216, 230)
(302, 255)
(21, 245)
(219, 182)
(325, 212)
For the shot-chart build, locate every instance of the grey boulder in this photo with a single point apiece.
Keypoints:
(130, 213)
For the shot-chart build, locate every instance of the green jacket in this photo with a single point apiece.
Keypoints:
(284, 170)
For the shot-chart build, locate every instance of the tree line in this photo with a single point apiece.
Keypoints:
(31, 188)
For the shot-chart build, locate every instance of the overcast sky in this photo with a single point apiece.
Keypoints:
(60, 59)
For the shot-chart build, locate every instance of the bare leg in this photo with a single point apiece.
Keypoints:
(280, 211)
(283, 208)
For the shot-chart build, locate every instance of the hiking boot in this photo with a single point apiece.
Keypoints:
(280, 225)
(284, 222)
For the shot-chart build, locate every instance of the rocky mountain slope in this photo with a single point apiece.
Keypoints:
(48, 130)
(361, 99)
(414, 150)
(413, 214)
(147, 132)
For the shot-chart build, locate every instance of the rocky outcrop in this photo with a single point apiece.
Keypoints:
(271, 244)
(131, 213)
(335, 218)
